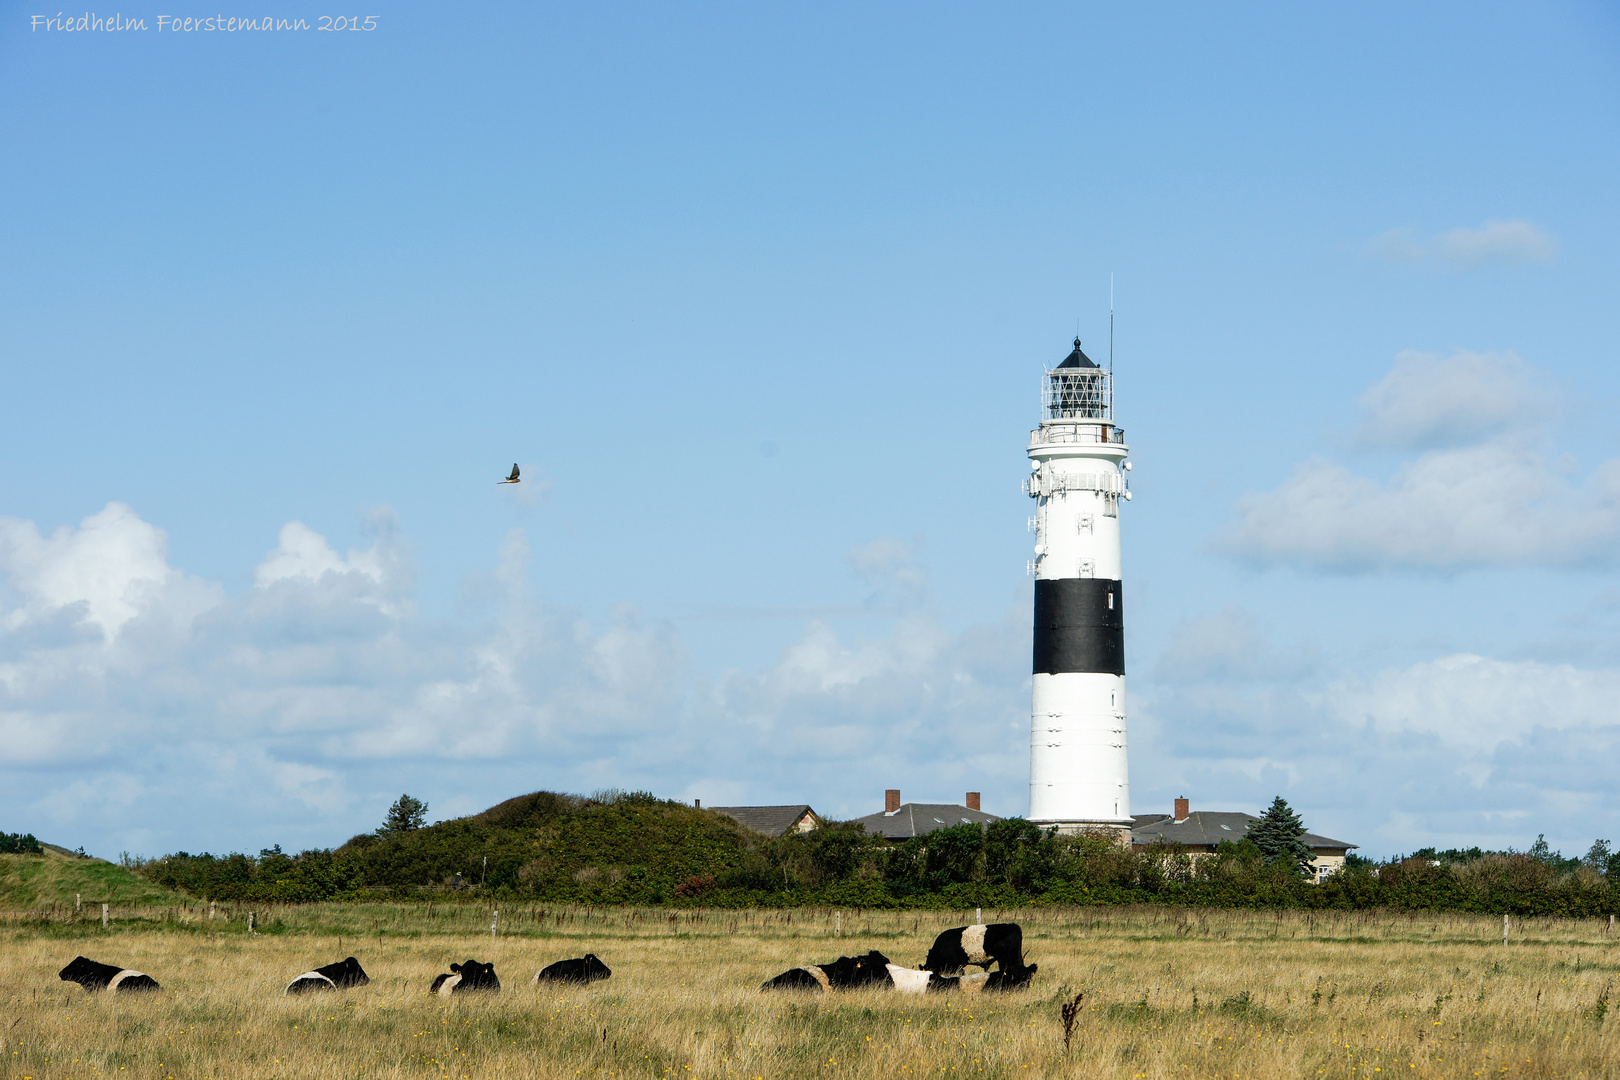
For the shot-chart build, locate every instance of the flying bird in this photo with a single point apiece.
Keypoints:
(513, 479)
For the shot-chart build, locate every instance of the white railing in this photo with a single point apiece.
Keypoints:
(1076, 433)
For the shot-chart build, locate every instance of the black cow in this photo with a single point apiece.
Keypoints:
(845, 973)
(470, 977)
(93, 976)
(586, 969)
(955, 949)
(339, 976)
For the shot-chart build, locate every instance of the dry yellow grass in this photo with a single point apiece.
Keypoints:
(1167, 994)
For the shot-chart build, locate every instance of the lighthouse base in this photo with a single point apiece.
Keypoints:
(1119, 831)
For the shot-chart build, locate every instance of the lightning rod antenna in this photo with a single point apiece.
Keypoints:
(1110, 324)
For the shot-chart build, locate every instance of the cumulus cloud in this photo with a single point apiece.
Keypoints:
(141, 708)
(1459, 749)
(1486, 490)
(1429, 400)
(1506, 243)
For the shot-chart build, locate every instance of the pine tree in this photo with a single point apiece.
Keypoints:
(406, 815)
(1277, 835)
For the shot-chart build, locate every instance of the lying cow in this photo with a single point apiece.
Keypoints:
(470, 977)
(339, 976)
(93, 976)
(845, 973)
(586, 969)
(998, 943)
(918, 981)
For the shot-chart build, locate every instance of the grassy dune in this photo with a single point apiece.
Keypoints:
(1167, 993)
(53, 880)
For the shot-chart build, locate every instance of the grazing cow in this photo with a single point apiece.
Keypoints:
(339, 976)
(470, 977)
(586, 969)
(955, 949)
(845, 973)
(93, 976)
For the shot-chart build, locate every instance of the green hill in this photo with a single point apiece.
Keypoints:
(633, 848)
(30, 882)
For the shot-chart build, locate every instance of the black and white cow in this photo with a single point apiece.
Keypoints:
(339, 976)
(93, 976)
(920, 981)
(955, 949)
(470, 977)
(585, 969)
(845, 973)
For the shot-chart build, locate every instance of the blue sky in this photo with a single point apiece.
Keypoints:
(759, 296)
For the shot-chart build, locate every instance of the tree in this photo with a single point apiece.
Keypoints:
(406, 815)
(1277, 835)
(1602, 859)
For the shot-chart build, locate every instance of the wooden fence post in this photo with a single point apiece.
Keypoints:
(1504, 928)
(251, 915)
(104, 916)
(493, 919)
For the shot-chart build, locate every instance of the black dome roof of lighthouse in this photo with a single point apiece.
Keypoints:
(1077, 359)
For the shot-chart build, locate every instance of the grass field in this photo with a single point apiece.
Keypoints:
(1168, 993)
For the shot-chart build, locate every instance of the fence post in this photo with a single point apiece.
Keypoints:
(251, 914)
(493, 919)
(210, 911)
(104, 916)
(1504, 928)
(978, 916)
(838, 924)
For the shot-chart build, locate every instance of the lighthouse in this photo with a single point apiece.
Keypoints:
(1078, 775)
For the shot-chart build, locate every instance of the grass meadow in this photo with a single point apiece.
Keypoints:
(1168, 993)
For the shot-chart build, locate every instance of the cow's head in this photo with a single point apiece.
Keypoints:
(348, 973)
(87, 973)
(594, 968)
(1014, 978)
(476, 976)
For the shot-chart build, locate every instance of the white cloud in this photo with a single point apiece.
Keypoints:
(283, 713)
(1457, 750)
(114, 564)
(1429, 400)
(1475, 704)
(1508, 243)
(1488, 492)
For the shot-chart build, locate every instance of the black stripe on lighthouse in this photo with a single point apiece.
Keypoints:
(1079, 626)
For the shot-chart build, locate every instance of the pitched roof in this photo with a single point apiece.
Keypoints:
(915, 819)
(770, 820)
(1206, 828)
(1077, 359)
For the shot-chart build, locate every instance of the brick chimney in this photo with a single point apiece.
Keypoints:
(891, 800)
(973, 800)
(1182, 811)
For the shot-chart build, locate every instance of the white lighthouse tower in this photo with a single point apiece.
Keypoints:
(1078, 775)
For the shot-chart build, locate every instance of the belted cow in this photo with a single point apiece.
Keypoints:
(955, 949)
(469, 977)
(585, 969)
(845, 973)
(339, 976)
(93, 976)
(920, 981)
